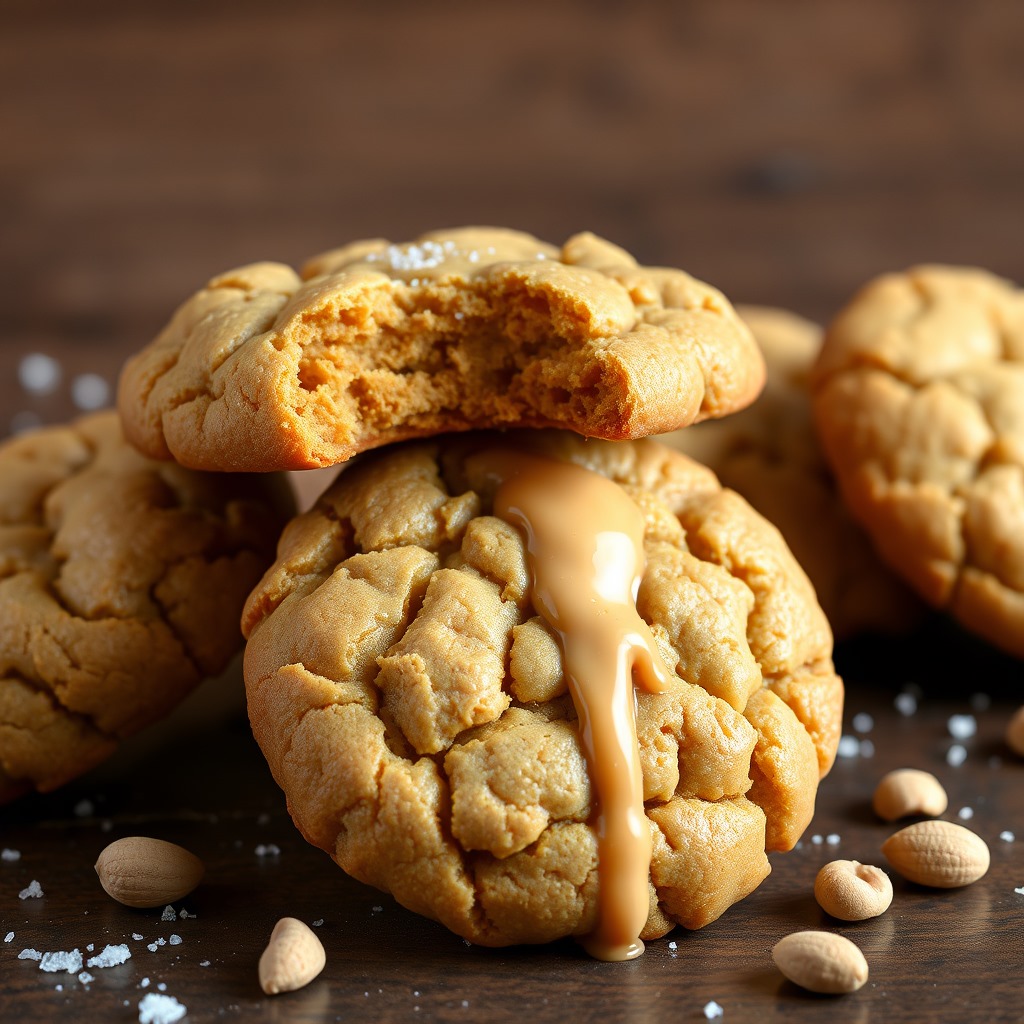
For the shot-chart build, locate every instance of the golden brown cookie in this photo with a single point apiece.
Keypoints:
(919, 402)
(121, 584)
(770, 454)
(411, 700)
(266, 368)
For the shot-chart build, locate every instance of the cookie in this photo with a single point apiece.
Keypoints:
(770, 454)
(919, 403)
(121, 585)
(266, 368)
(420, 711)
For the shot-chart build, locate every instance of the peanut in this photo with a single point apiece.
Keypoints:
(937, 853)
(852, 891)
(293, 957)
(1015, 732)
(821, 962)
(908, 791)
(142, 872)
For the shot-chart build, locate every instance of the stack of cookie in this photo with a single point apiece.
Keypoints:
(439, 662)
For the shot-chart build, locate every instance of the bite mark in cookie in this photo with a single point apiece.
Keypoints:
(919, 402)
(266, 368)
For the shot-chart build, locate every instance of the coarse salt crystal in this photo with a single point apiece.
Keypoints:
(712, 1010)
(168, 914)
(32, 891)
(8, 936)
(152, 947)
(175, 940)
(1007, 836)
(85, 977)
(849, 746)
(318, 922)
(39, 374)
(1020, 890)
(184, 914)
(956, 755)
(204, 963)
(817, 840)
(832, 839)
(90, 391)
(61, 961)
(144, 983)
(89, 948)
(376, 910)
(160, 1009)
(673, 944)
(111, 956)
(268, 850)
(962, 727)
(30, 954)
(906, 704)
(9, 856)
(137, 937)
(965, 813)
(162, 986)
(863, 722)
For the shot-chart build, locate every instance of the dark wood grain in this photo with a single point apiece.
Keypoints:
(785, 152)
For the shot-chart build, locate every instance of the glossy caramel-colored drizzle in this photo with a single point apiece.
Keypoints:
(585, 547)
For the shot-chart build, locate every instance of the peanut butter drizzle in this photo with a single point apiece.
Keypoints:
(585, 547)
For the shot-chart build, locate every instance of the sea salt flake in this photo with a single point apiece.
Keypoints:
(712, 1010)
(90, 391)
(1020, 890)
(39, 374)
(152, 947)
(965, 813)
(185, 915)
(849, 746)
(863, 722)
(61, 961)
(175, 940)
(85, 978)
(956, 755)
(9, 856)
(111, 956)
(144, 983)
(137, 937)
(160, 1009)
(204, 963)
(1007, 837)
(962, 727)
(30, 954)
(32, 891)
(8, 936)
(318, 922)
(673, 944)
(906, 704)
(169, 914)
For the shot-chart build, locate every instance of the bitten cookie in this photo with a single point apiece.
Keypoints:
(771, 455)
(266, 368)
(919, 402)
(121, 585)
(412, 701)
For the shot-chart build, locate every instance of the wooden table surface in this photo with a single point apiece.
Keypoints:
(786, 153)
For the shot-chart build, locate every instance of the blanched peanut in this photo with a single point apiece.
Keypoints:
(852, 891)
(909, 791)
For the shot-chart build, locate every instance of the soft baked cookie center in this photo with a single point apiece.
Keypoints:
(417, 354)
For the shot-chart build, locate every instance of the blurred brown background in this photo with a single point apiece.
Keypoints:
(785, 152)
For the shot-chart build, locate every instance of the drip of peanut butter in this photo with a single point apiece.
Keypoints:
(585, 548)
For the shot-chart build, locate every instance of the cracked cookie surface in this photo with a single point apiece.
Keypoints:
(919, 402)
(121, 584)
(266, 368)
(412, 704)
(770, 453)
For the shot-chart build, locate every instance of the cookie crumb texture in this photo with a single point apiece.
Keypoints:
(267, 369)
(121, 584)
(412, 704)
(919, 402)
